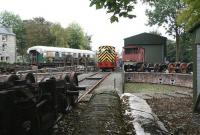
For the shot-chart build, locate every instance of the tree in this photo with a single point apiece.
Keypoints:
(87, 41)
(155, 32)
(9, 19)
(171, 51)
(118, 8)
(59, 35)
(76, 37)
(186, 49)
(164, 13)
(190, 15)
(38, 32)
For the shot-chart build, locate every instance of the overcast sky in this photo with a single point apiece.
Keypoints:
(94, 22)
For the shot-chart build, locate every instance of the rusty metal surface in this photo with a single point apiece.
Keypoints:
(31, 107)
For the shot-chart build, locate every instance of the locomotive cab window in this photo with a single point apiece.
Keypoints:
(131, 50)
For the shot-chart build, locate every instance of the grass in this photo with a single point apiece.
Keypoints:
(152, 88)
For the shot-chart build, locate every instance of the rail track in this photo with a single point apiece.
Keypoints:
(90, 83)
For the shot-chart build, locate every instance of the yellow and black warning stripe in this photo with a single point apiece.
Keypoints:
(106, 54)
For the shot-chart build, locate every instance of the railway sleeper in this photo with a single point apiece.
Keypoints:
(93, 78)
(72, 92)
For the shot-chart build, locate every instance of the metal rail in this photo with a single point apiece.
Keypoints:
(93, 87)
(87, 77)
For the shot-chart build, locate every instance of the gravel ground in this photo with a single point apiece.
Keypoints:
(66, 126)
(174, 111)
(176, 114)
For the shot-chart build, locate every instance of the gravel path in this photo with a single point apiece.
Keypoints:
(112, 82)
(102, 116)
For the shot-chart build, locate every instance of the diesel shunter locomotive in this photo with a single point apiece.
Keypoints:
(107, 58)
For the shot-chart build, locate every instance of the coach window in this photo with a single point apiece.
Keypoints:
(74, 55)
(63, 54)
(57, 54)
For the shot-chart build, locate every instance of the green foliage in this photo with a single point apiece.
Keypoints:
(171, 51)
(186, 47)
(118, 8)
(38, 32)
(59, 35)
(87, 41)
(186, 42)
(155, 32)
(190, 15)
(164, 13)
(9, 19)
(76, 37)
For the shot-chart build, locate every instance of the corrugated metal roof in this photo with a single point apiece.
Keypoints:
(6, 31)
(145, 39)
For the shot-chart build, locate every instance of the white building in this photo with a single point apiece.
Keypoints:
(7, 45)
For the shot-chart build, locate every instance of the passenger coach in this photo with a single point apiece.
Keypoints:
(58, 56)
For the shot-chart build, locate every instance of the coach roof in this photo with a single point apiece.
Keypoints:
(42, 49)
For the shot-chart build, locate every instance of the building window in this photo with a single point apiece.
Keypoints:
(7, 58)
(2, 58)
(4, 37)
(4, 47)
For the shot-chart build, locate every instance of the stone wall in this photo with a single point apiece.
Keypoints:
(184, 80)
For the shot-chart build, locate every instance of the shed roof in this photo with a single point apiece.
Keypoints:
(145, 39)
(6, 31)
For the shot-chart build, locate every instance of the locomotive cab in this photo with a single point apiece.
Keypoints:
(133, 56)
